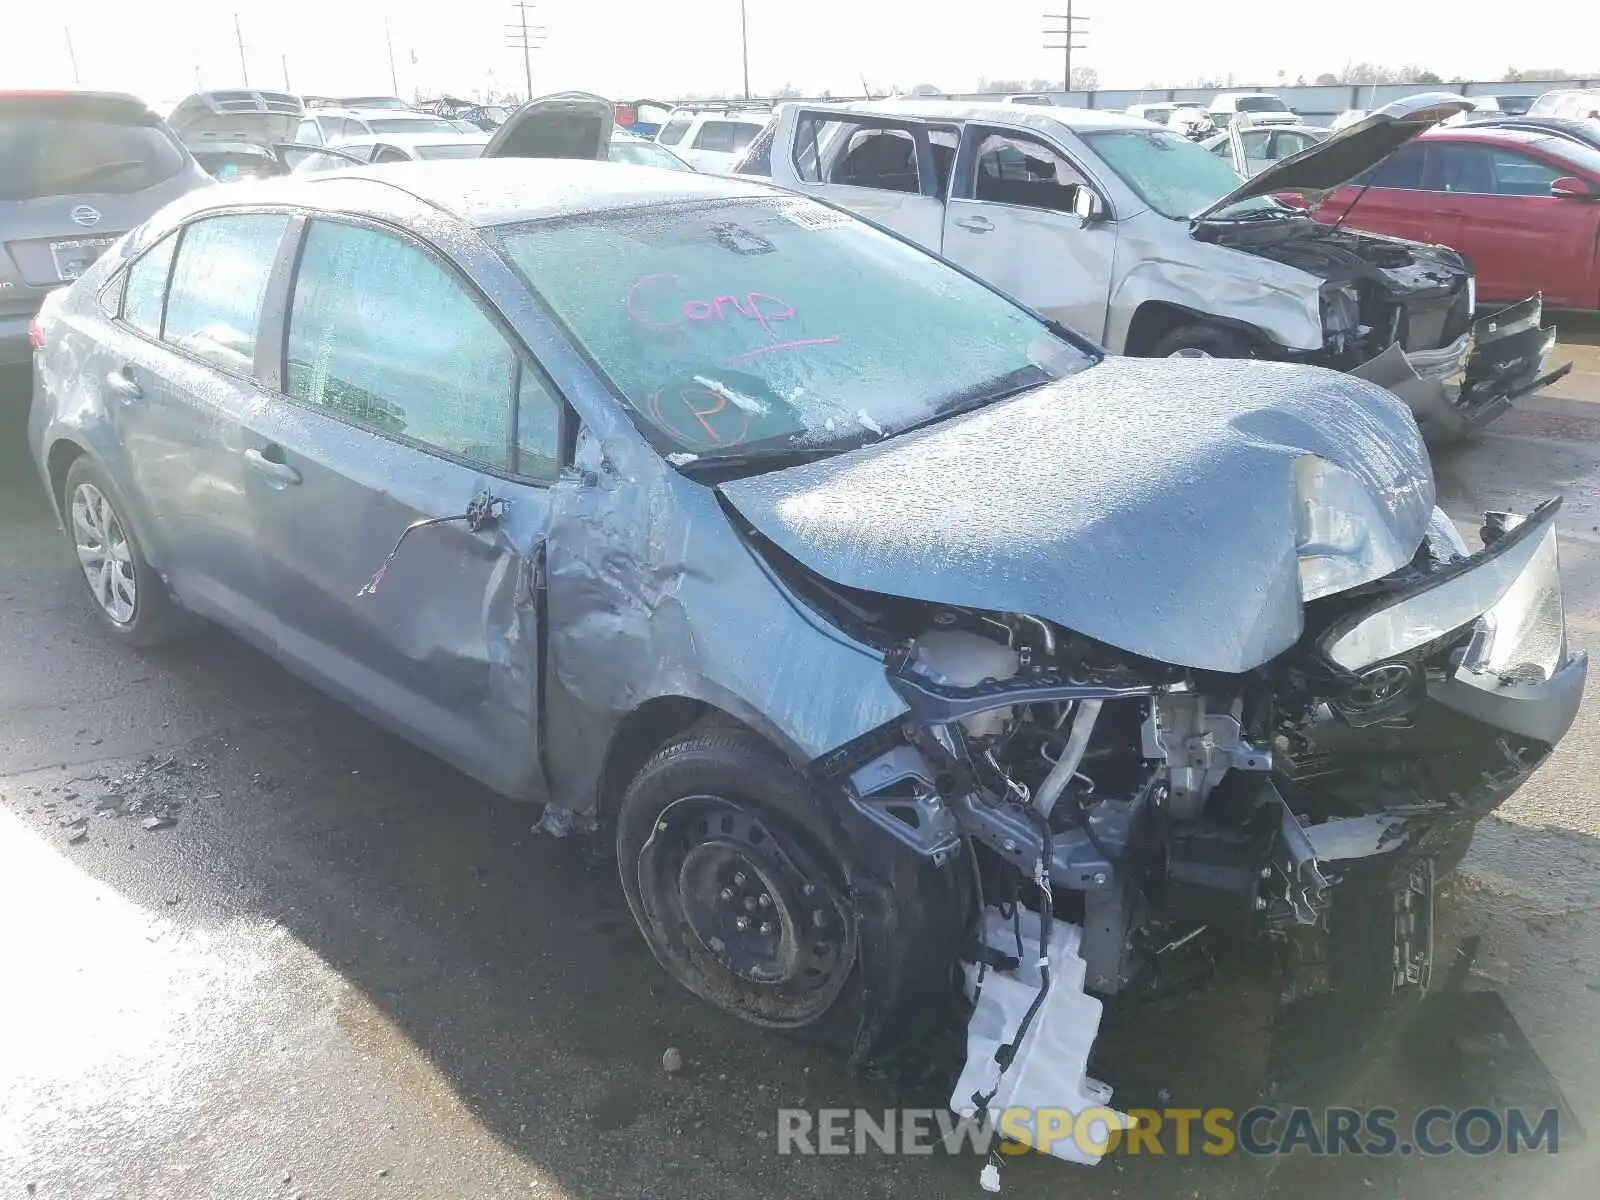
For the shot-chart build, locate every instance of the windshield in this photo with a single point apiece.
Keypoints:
(1261, 104)
(472, 149)
(1158, 115)
(644, 154)
(778, 325)
(57, 147)
(1171, 174)
(412, 125)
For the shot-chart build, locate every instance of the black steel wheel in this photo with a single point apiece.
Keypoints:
(732, 876)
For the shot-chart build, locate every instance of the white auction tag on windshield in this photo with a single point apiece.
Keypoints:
(814, 216)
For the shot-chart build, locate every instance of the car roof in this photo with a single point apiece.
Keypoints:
(72, 94)
(1498, 135)
(731, 114)
(1035, 116)
(479, 191)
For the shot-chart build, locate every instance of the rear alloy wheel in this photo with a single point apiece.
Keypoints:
(730, 875)
(128, 596)
(104, 554)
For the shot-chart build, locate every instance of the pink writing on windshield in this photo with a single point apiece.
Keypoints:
(656, 302)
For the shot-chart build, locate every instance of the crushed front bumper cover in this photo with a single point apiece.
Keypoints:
(1459, 388)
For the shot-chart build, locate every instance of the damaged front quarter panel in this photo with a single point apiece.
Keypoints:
(654, 598)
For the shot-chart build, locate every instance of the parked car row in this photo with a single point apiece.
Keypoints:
(1151, 245)
(890, 632)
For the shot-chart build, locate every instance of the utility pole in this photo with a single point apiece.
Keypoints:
(286, 85)
(394, 80)
(73, 55)
(1067, 31)
(238, 34)
(744, 46)
(524, 37)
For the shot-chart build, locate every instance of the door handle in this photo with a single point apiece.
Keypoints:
(122, 385)
(976, 224)
(280, 473)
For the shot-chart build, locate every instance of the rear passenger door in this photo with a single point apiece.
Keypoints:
(1010, 221)
(887, 170)
(179, 384)
(402, 399)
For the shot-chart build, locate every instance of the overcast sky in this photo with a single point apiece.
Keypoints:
(629, 48)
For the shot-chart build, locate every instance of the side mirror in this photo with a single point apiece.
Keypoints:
(1570, 187)
(1086, 205)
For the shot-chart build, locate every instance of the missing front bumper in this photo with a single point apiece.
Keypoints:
(1459, 388)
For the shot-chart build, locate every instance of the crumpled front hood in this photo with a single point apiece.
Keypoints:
(1148, 504)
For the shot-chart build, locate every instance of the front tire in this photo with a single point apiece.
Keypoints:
(128, 596)
(736, 882)
(1203, 341)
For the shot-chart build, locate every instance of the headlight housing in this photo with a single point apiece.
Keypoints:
(1341, 312)
(1510, 593)
(1341, 530)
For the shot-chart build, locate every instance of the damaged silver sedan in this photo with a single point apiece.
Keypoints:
(924, 664)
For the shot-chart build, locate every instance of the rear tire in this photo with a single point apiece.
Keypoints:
(127, 595)
(719, 829)
(1203, 341)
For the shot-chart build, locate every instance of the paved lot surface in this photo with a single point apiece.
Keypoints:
(345, 971)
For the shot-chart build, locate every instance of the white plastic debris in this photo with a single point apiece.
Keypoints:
(1050, 1070)
(989, 1178)
(738, 399)
(868, 422)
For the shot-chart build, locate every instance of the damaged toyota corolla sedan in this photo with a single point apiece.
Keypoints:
(920, 660)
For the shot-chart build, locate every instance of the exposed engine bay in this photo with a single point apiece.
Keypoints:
(1120, 814)
(1402, 315)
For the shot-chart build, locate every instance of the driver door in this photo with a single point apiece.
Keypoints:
(402, 398)
(1010, 220)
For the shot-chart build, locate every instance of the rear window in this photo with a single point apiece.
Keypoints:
(725, 136)
(757, 158)
(66, 147)
(672, 132)
(412, 125)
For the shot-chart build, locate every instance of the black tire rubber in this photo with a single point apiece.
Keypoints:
(155, 618)
(1213, 340)
(720, 759)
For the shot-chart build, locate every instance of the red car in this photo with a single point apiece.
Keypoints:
(1523, 207)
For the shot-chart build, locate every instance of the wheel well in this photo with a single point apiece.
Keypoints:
(58, 462)
(642, 732)
(1152, 321)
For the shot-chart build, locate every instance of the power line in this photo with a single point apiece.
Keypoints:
(1068, 32)
(525, 37)
(394, 80)
(73, 55)
(238, 34)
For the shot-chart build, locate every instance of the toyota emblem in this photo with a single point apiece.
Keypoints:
(85, 216)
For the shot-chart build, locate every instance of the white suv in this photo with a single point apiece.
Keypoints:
(1264, 109)
(712, 139)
